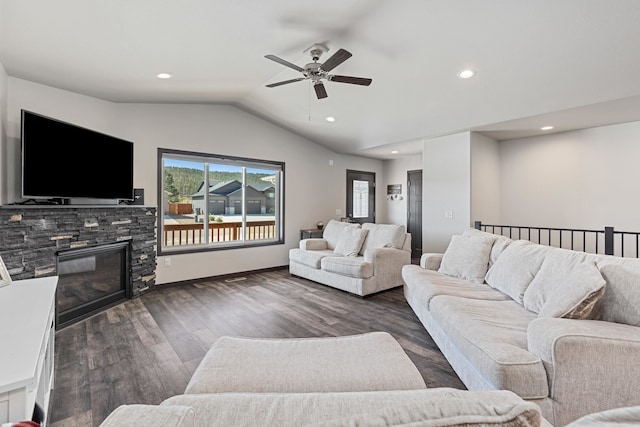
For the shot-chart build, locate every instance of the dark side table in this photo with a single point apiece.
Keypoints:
(309, 233)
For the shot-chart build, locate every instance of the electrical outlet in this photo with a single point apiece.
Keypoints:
(167, 262)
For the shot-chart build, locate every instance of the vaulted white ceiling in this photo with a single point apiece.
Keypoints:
(567, 63)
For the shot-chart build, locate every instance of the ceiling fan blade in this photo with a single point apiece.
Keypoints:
(285, 82)
(321, 92)
(352, 80)
(338, 58)
(284, 62)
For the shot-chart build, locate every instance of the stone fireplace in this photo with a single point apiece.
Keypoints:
(102, 254)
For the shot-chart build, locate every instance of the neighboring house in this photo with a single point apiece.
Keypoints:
(225, 198)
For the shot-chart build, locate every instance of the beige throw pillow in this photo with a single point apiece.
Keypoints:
(558, 264)
(383, 236)
(350, 241)
(573, 296)
(467, 257)
(516, 267)
(333, 230)
(499, 244)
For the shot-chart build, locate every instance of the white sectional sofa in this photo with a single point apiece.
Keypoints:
(558, 327)
(360, 259)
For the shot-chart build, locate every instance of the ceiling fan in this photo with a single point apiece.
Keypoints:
(318, 71)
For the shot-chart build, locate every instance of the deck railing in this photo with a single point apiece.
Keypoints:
(193, 233)
(605, 241)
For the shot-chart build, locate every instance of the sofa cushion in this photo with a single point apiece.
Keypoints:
(448, 412)
(383, 236)
(350, 241)
(516, 267)
(348, 266)
(309, 258)
(621, 297)
(499, 244)
(423, 285)
(151, 416)
(492, 336)
(573, 295)
(556, 267)
(300, 409)
(362, 362)
(626, 416)
(333, 230)
(467, 257)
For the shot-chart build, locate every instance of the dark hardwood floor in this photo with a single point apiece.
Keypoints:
(145, 350)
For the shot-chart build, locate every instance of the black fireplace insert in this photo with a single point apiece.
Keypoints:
(91, 279)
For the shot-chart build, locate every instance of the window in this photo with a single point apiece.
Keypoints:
(211, 202)
(361, 196)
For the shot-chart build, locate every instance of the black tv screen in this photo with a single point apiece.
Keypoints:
(62, 160)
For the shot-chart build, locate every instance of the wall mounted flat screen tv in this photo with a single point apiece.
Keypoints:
(65, 161)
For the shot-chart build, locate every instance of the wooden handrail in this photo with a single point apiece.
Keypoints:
(192, 233)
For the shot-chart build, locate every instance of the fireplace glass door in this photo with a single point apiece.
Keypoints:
(90, 280)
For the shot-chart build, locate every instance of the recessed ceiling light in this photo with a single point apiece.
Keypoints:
(394, 152)
(163, 76)
(466, 74)
(330, 119)
(546, 128)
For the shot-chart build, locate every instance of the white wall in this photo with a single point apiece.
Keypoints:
(313, 189)
(485, 179)
(71, 107)
(446, 187)
(3, 133)
(581, 179)
(395, 172)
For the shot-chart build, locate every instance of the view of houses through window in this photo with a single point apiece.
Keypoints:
(215, 202)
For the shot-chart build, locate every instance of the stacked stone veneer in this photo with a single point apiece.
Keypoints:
(31, 236)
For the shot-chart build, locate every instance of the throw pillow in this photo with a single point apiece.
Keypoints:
(516, 267)
(574, 296)
(467, 257)
(333, 230)
(622, 298)
(384, 236)
(556, 267)
(350, 241)
(499, 244)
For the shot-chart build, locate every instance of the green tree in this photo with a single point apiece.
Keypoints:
(170, 187)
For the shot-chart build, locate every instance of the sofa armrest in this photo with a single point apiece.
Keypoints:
(313, 244)
(389, 256)
(387, 264)
(151, 416)
(588, 358)
(431, 261)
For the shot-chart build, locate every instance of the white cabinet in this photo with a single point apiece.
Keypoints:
(27, 332)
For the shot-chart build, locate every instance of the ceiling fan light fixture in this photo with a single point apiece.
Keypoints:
(466, 74)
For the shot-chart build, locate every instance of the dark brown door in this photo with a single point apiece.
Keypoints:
(414, 211)
(361, 196)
